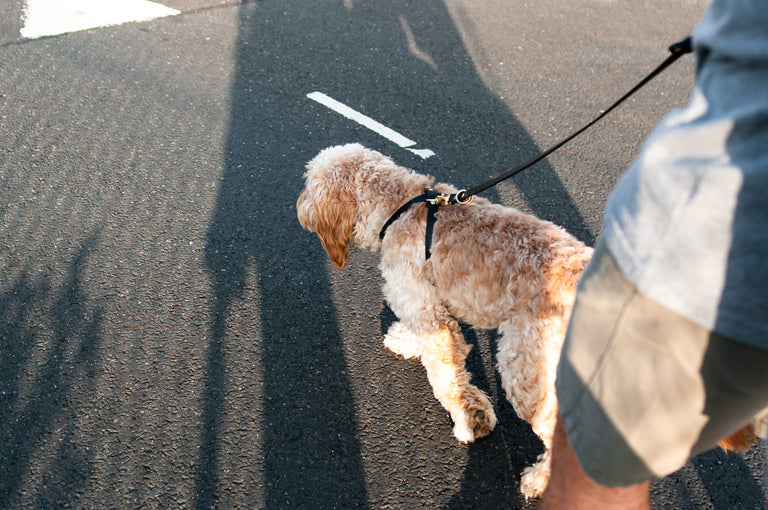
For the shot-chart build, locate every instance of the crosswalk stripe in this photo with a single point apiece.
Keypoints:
(54, 17)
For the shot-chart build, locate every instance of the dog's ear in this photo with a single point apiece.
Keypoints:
(334, 228)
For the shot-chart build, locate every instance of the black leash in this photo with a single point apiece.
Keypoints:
(434, 199)
(676, 51)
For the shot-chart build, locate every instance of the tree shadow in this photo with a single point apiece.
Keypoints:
(48, 342)
(363, 54)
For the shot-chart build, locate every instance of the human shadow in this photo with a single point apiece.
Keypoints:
(360, 54)
(310, 449)
(48, 341)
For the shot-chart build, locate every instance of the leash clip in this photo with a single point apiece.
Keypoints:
(466, 201)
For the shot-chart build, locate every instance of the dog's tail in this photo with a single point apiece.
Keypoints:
(740, 440)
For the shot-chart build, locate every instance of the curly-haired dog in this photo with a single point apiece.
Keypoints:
(490, 266)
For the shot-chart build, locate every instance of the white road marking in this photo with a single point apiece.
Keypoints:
(54, 17)
(389, 134)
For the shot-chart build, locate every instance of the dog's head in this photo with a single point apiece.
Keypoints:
(327, 203)
(348, 195)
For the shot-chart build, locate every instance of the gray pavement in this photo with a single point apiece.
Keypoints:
(171, 338)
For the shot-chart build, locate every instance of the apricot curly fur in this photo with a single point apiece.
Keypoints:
(491, 267)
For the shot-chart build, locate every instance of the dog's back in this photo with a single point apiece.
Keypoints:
(490, 262)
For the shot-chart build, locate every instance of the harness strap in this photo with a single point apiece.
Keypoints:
(415, 200)
(434, 200)
(432, 208)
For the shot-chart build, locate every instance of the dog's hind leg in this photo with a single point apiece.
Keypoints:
(527, 360)
(535, 478)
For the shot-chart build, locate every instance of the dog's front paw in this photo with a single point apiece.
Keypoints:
(535, 478)
(475, 421)
(400, 340)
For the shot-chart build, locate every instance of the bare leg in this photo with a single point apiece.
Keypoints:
(569, 487)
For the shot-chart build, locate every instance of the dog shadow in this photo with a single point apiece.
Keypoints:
(491, 478)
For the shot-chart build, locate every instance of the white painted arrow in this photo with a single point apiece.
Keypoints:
(53, 17)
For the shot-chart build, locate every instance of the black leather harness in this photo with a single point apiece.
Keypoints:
(434, 199)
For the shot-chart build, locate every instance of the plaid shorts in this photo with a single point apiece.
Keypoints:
(641, 389)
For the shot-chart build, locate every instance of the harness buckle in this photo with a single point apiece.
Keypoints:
(444, 199)
(440, 199)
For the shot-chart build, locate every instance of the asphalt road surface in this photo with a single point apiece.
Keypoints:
(171, 338)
